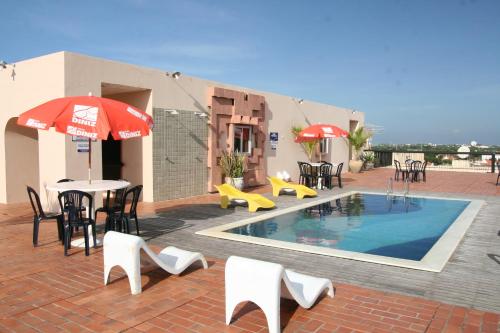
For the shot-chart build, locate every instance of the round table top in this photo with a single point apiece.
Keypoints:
(83, 185)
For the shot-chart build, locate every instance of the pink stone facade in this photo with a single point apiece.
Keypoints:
(230, 108)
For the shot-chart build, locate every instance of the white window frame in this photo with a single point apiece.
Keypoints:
(250, 139)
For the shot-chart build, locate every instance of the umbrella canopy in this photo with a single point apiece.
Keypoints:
(89, 116)
(320, 131)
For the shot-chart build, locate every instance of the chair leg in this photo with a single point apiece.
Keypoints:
(136, 225)
(67, 238)
(36, 223)
(126, 225)
(60, 228)
(94, 234)
(86, 237)
(497, 177)
(340, 181)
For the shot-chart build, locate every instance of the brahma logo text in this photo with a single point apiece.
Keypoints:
(137, 114)
(128, 134)
(35, 123)
(80, 132)
(85, 115)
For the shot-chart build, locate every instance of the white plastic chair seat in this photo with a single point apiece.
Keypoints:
(124, 250)
(264, 283)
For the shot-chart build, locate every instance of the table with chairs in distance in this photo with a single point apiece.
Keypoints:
(412, 170)
(320, 175)
(77, 208)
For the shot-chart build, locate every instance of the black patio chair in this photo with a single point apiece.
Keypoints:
(39, 215)
(421, 171)
(112, 205)
(398, 171)
(307, 176)
(338, 174)
(325, 173)
(414, 170)
(120, 220)
(498, 168)
(73, 201)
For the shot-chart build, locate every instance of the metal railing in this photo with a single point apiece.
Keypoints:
(463, 161)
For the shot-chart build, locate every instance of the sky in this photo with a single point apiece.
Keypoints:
(426, 71)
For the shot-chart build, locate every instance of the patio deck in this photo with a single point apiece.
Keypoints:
(42, 291)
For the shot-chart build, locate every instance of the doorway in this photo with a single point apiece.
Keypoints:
(112, 159)
(21, 161)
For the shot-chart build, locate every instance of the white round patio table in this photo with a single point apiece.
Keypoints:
(91, 188)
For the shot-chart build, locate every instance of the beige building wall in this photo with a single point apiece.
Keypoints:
(36, 81)
(69, 74)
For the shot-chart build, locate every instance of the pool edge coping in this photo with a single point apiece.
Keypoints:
(434, 260)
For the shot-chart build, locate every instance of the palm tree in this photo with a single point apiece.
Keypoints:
(358, 139)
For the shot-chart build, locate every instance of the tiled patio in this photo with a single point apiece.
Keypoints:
(43, 291)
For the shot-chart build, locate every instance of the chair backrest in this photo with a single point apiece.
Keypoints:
(325, 169)
(424, 166)
(65, 180)
(408, 164)
(74, 204)
(135, 192)
(397, 165)
(416, 165)
(339, 169)
(306, 169)
(35, 202)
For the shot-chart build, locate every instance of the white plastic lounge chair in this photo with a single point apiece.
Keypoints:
(124, 250)
(261, 282)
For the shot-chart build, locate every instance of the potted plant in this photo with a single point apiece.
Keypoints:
(368, 160)
(357, 139)
(233, 168)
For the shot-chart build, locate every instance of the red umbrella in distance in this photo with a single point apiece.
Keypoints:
(320, 131)
(89, 116)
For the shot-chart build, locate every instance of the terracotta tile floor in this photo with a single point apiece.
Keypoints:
(43, 291)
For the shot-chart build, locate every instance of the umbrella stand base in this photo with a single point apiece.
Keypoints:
(80, 242)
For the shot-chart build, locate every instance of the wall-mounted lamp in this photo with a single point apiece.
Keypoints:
(298, 100)
(354, 111)
(201, 114)
(4, 65)
(174, 75)
(172, 112)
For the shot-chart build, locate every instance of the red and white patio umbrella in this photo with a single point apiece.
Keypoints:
(89, 116)
(320, 131)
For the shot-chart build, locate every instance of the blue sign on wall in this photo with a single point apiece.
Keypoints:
(273, 136)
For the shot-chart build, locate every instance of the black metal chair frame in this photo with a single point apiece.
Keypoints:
(111, 205)
(74, 209)
(307, 176)
(325, 173)
(120, 221)
(338, 174)
(498, 168)
(397, 164)
(39, 215)
(414, 170)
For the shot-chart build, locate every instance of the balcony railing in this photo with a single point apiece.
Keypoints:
(441, 160)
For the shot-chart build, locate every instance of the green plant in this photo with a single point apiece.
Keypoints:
(358, 139)
(368, 157)
(233, 164)
(309, 147)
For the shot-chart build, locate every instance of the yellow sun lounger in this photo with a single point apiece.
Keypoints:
(255, 201)
(301, 190)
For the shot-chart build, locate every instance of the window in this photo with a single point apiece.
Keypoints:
(324, 146)
(243, 139)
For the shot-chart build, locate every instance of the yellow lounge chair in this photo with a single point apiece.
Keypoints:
(255, 201)
(301, 190)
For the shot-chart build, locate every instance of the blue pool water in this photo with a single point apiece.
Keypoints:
(367, 223)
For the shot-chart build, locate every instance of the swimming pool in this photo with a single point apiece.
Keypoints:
(419, 232)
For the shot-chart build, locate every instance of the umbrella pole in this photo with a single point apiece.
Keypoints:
(90, 159)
